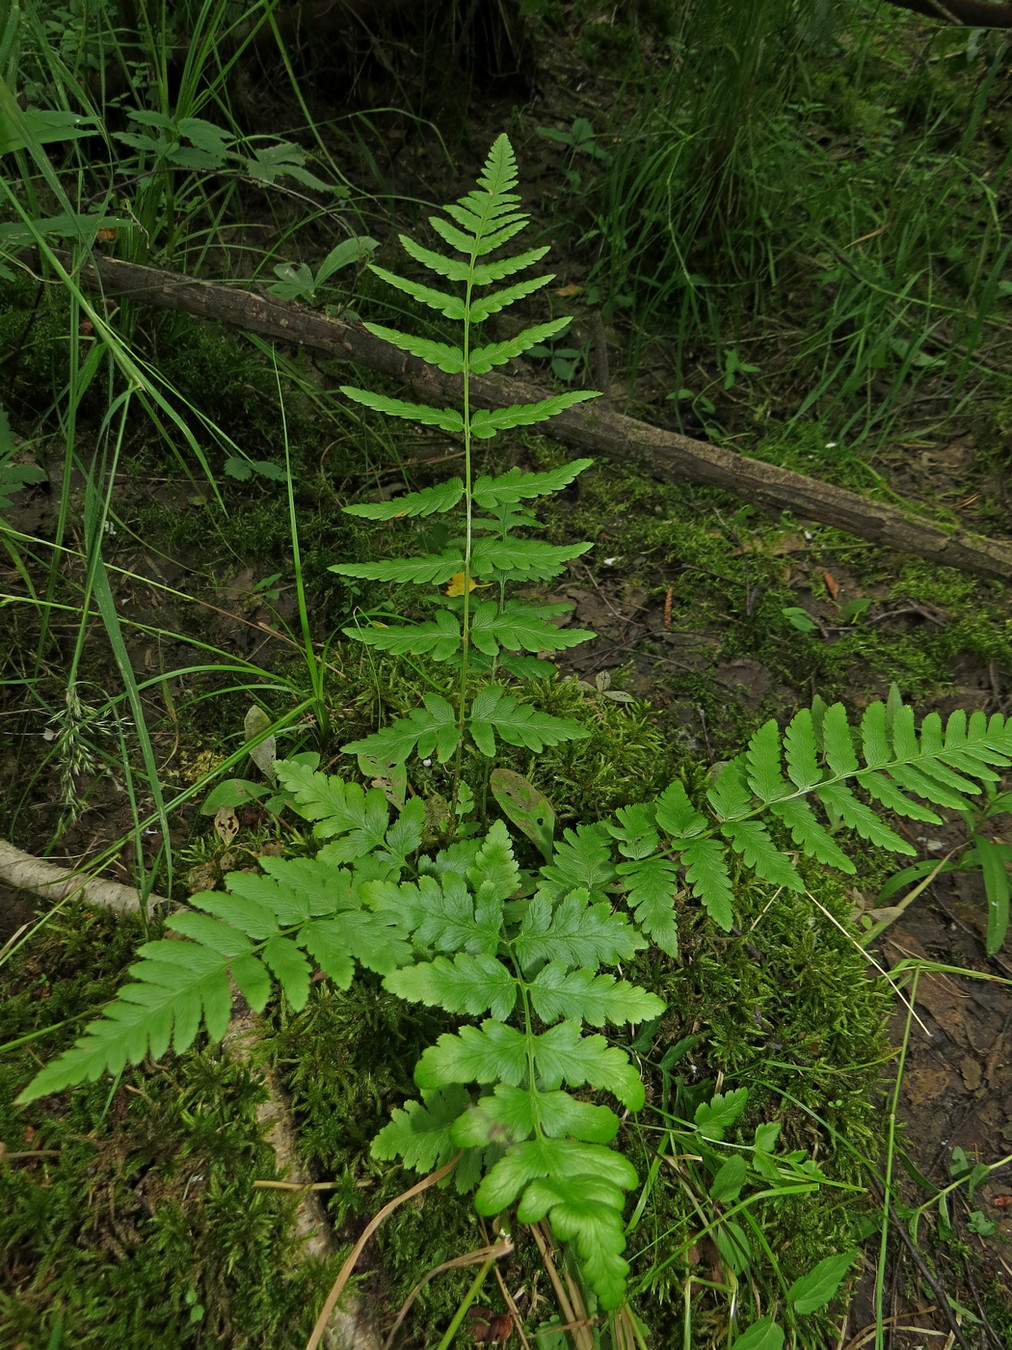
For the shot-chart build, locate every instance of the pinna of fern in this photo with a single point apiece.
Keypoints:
(499, 633)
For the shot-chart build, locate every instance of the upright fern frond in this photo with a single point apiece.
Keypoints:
(488, 549)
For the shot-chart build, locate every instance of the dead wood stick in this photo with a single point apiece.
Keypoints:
(587, 427)
(27, 873)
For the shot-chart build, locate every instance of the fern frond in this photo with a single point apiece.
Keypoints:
(495, 712)
(651, 886)
(488, 422)
(447, 419)
(484, 359)
(441, 637)
(479, 274)
(575, 932)
(430, 569)
(425, 731)
(439, 498)
(520, 628)
(530, 558)
(265, 926)
(439, 354)
(517, 485)
(443, 302)
(483, 307)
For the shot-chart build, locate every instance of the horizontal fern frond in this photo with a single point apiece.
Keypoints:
(447, 419)
(428, 501)
(516, 486)
(486, 422)
(483, 359)
(440, 638)
(431, 569)
(903, 771)
(268, 927)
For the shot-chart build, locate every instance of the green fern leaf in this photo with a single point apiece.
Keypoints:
(875, 745)
(469, 239)
(837, 742)
(428, 501)
(715, 1117)
(763, 764)
(484, 359)
(652, 884)
(751, 839)
(517, 486)
(376, 944)
(421, 1132)
(488, 422)
(512, 1114)
(491, 1053)
(707, 874)
(479, 274)
(536, 1158)
(494, 711)
(484, 306)
(800, 749)
(257, 920)
(905, 743)
(432, 568)
(440, 638)
(453, 922)
(809, 835)
(467, 984)
(575, 932)
(586, 1210)
(439, 354)
(447, 419)
(562, 1055)
(582, 861)
(292, 969)
(729, 796)
(884, 790)
(451, 306)
(675, 813)
(919, 780)
(495, 876)
(635, 831)
(338, 808)
(520, 628)
(531, 559)
(176, 984)
(480, 241)
(429, 730)
(857, 816)
(557, 992)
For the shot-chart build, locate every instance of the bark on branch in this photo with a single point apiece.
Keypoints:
(965, 13)
(587, 427)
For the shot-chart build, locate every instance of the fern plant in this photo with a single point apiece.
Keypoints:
(502, 633)
(525, 961)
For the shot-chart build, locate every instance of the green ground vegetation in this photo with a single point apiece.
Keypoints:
(782, 228)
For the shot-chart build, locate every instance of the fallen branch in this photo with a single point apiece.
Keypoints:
(27, 873)
(347, 1328)
(587, 426)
